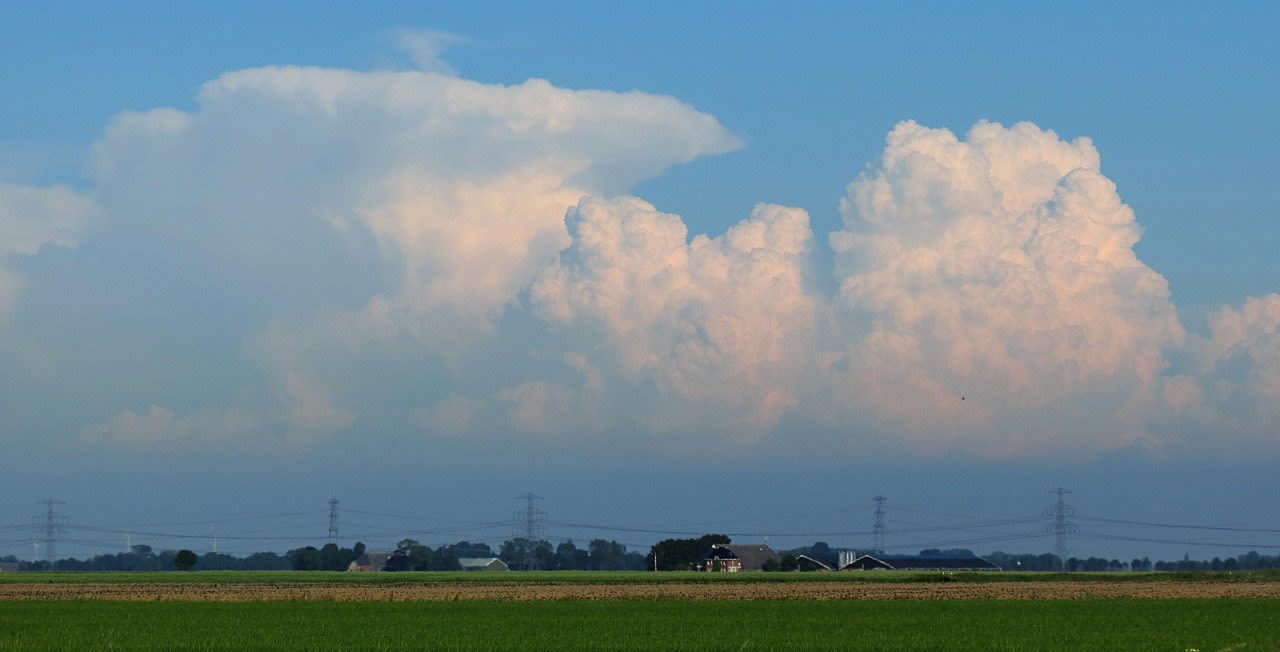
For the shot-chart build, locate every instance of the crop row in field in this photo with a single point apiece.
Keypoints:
(524, 591)
(613, 577)
(645, 625)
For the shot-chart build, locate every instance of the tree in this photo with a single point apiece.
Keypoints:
(305, 559)
(465, 549)
(410, 555)
(569, 557)
(681, 554)
(633, 561)
(332, 557)
(184, 560)
(820, 551)
(606, 555)
(413, 556)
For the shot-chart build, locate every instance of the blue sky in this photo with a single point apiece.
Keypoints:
(248, 277)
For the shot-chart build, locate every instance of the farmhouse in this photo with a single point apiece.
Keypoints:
(736, 558)
(482, 564)
(369, 562)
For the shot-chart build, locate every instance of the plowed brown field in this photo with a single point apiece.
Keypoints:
(666, 591)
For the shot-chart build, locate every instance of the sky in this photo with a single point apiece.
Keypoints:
(637, 259)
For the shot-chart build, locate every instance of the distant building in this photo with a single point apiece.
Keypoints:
(939, 563)
(846, 557)
(899, 562)
(482, 564)
(864, 562)
(807, 563)
(8, 567)
(369, 562)
(736, 558)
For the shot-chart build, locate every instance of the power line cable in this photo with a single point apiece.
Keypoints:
(1182, 526)
(1211, 544)
(834, 533)
(964, 542)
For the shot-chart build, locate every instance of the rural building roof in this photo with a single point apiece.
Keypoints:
(866, 562)
(374, 560)
(482, 563)
(939, 563)
(811, 560)
(752, 555)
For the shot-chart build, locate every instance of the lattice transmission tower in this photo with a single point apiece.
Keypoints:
(878, 531)
(1059, 524)
(46, 528)
(530, 528)
(333, 520)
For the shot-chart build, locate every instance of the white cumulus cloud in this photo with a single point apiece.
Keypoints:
(30, 218)
(1239, 369)
(718, 327)
(463, 185)
(377, 211)
(427, 47)
(162, 427)
(993, 295)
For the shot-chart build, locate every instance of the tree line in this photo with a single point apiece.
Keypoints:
(408, 555)
(598, 554)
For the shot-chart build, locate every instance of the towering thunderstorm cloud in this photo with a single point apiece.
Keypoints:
(338, 254)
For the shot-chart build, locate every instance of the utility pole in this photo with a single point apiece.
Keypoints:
(878, 546)
(47, 527)
(1060, 524)
(529, 527)
(333, 520)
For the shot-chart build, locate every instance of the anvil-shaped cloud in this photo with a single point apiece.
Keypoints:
(391, 251)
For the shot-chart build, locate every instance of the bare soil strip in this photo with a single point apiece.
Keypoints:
(212, 592)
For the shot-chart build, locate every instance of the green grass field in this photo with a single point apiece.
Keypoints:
(613, 577)
(1173, 625)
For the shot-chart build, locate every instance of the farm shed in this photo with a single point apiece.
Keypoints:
(939, 563)
(735, 558)
(369, 562)
(866, 562)
(482, 564)
(807, 563)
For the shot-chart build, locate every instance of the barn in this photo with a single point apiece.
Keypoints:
(482, 564)
(369, 562)
(866, 562)
(916, 562)
(807, 563)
